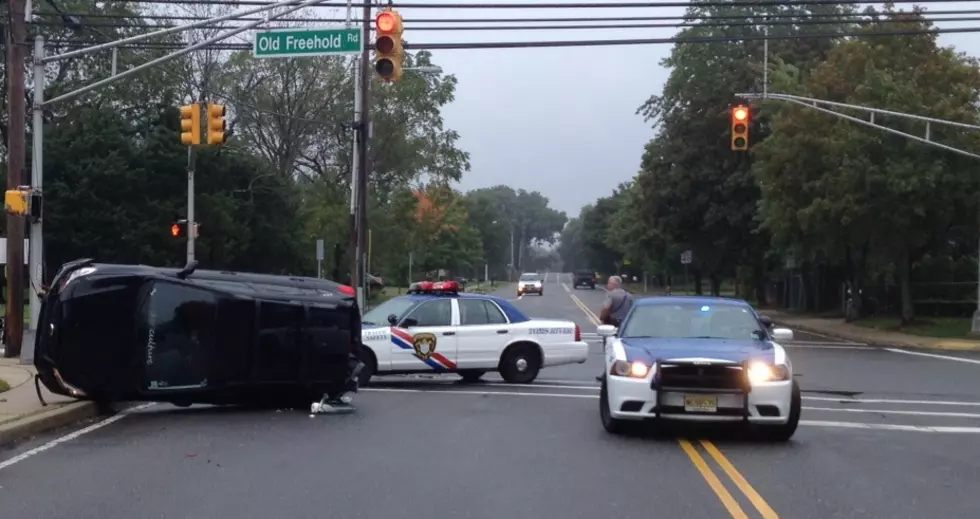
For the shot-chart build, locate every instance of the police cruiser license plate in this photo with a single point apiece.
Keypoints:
(700, 404)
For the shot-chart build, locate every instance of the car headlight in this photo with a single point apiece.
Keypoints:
(635, 369)
(760, 372)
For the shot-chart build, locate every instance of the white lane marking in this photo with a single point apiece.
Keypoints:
(849, 344)
(827, 347)
(566, 288)
(887, 401)
(837, 339)
(70, 436)
(933, 355)
(892, 427)
(892, 411)
(481, 393)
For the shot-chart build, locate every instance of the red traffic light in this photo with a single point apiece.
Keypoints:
(740, 113)
(385, 22)
(175, 230)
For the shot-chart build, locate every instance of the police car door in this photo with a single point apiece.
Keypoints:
(483, 331)
(425, 339)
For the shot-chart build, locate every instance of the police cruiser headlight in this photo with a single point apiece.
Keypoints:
(635, 369)
(760, 372)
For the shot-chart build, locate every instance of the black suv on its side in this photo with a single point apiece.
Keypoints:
(585, 278)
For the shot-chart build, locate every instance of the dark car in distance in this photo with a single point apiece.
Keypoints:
(118, 333)
(584, 278)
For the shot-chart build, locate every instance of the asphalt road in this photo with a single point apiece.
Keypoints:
(885, 433)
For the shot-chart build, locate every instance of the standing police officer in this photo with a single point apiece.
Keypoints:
(618, 303)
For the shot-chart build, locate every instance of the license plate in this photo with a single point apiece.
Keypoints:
(700, 404)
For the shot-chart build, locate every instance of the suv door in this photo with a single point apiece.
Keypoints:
(483, 331)
(426, 338)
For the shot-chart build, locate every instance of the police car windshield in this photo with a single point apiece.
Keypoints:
(380, 313)
(690, 321)
(530, 277)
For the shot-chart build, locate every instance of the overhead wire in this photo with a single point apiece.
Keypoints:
(618, 42)
(711, 23)
(560, 5)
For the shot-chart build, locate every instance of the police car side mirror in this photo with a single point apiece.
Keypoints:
(409, 323)
(766, 321)
(605, 330)
(782, 334)
(392, 319)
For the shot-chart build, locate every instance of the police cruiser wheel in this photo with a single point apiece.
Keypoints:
(520, 364)
(610, 424)
(782, 433)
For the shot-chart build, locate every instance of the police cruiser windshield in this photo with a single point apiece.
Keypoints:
(379, 314)
(692, 321)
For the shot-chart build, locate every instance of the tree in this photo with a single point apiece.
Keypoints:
(837, 191)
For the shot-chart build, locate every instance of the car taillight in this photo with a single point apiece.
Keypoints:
(578, 333)
(344, 289)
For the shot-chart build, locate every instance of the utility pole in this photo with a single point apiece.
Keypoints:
(16, 154)
(364, 133)
(191, 228)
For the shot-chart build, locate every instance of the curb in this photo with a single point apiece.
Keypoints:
(942, 344)
(45, 420)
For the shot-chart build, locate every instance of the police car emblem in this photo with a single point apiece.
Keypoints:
(425, 345)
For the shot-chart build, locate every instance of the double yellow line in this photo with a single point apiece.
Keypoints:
(730, 503)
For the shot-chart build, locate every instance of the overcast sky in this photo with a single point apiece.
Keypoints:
(562, 121)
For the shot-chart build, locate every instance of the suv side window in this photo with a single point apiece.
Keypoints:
(438, 312)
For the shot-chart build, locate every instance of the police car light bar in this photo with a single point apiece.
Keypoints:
(437, 287)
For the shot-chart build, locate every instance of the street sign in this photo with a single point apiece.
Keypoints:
(686, 257)
(324, 41)
(319, 250)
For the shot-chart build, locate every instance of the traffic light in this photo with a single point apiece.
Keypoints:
(388, 45)
(740, 128)
(216, 123)
(17, 201)
(178, 229)
(190, 124)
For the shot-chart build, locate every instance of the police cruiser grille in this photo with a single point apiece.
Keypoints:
(723, 377)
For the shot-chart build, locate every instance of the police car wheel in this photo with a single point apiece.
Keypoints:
(782, 433)
(471, 375)
(610, 424)
(520, 364)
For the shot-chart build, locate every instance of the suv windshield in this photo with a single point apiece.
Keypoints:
(379, 314)
(530, 277)
(692, 320)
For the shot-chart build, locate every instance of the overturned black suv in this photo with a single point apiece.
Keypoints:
(113, 333)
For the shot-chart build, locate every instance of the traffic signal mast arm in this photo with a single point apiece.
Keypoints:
(813, 104)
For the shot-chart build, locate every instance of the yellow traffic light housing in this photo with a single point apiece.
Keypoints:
(190, 124)
(740, 128)
(216, 123)
(17, 201)
(388, 45)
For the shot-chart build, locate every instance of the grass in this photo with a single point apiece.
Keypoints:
(4, 386)
(942, 327)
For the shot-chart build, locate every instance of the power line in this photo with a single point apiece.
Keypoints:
(409, 20)
(607, 26)
(607, 5)
(606, 43)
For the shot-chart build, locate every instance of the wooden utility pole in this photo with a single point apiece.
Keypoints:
(16, 154)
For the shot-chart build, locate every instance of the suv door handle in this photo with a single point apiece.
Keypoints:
(449, 333)
(501, 331)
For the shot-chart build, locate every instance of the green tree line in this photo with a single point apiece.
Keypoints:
(825, 200)
(115, 170)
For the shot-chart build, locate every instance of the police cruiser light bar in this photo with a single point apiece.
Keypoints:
(434, 287)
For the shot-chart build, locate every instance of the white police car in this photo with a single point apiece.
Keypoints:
(435, 329)
(698, 359)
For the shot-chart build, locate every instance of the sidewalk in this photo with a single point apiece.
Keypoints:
(22, 415)
(852, 332)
